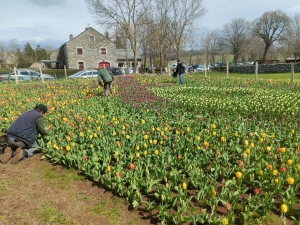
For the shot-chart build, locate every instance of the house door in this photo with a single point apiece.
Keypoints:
(103, 64)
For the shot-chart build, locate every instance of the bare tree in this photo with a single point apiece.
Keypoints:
(128, 15)
(192, 44)
(184, 15)
(3, 54)
(14, 52)
(161, 27)
(210, 44)
(255, 50)
(236, 37)
(291, 38)
(269, 27)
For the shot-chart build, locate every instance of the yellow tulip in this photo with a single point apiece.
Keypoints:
(68, 148)
(284, 208)
(184, 186)
(290, 180)
(290, 162)
(238, 175)
(224, 221)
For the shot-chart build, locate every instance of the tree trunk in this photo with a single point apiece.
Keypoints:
(265, 52)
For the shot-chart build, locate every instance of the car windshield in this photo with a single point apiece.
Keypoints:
(77, 74)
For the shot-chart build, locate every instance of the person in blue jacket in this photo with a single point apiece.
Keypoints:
(22, 135)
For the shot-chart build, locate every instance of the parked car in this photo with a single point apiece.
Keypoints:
(200, 68)
(193, 68)
(173, 66)
(84, 74)
(129, 70)
(116, 71)
(24, 75)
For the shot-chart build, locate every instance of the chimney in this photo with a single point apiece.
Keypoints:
(71, 37)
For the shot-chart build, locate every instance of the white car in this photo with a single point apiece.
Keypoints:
(84, 74)
(200, 68)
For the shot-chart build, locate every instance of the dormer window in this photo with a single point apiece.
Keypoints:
(79, 51)
(103, 51)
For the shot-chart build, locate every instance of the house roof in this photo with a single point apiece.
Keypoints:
(86, 29)
(121, 54)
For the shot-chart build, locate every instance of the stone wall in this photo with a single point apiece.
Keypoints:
(91, 50)
(264, 68)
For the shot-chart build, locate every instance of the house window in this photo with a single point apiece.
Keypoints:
(80, 65)
(79, 51)
(92, 38)
(103, 51)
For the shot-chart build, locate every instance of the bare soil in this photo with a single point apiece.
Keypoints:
(35, 191)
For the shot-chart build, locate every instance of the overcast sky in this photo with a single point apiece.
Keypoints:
(50, 22)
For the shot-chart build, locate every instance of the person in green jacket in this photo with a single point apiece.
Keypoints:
(107, 77)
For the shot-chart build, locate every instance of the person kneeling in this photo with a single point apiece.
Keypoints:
(22, 135)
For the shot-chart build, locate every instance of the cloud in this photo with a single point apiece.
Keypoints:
(48, 2)
(295, 9)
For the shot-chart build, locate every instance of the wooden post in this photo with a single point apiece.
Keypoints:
(256, 70)
(227, 71)
(205, 70)
(16, 76)
(292, 72)
(65, 72)
(168, 68)
(9, 75)
(42, 75)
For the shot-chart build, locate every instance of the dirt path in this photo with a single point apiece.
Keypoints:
(36, 192)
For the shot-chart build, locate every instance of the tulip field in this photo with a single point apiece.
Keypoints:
(212, 151)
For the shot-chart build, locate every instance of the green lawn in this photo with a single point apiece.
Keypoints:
(286, 77)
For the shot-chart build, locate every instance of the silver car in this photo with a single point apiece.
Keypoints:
(84, 74)
(24, 75)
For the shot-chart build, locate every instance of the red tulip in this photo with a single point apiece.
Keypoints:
(256, 191)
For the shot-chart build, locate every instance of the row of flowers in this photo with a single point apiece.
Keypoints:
(169, 151)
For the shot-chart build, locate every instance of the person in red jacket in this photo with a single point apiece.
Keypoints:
(22, 135)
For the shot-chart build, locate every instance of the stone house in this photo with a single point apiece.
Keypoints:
(90, 49)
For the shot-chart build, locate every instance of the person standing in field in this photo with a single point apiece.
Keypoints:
(180, 69)
(107, 77)
(22, 135)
